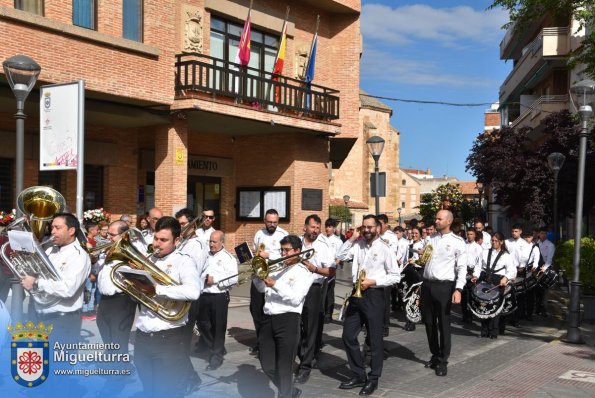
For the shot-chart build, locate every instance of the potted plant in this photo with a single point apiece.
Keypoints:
(564, 258)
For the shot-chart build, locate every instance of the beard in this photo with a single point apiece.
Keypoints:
(370, 235)
(311, 236)
(271, 230)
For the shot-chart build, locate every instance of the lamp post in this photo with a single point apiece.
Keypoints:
(346, 201)
(583, 93)
(399, 210)
(555, 161)
(376, 145)
(479, 187)
(21, 73)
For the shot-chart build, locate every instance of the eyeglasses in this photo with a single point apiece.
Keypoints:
(112, 234)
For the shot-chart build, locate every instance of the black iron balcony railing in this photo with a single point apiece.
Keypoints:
(262, 90)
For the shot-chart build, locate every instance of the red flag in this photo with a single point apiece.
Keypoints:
(278, 67)
(243, 55)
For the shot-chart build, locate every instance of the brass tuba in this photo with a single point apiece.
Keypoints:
(262, 267)
(128, 255)
(39, 204)
(425, 257)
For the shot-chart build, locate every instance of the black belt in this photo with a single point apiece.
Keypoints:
(437, 281)
(112, 296)
(54, 315)
(161, 333)
(214, 294)
(316, 283)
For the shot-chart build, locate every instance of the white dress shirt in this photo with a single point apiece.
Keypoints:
(335, 242)
(504, 267)
(533, 254)
(220, 265)
(448, 262)
(324, 257)
(197, 251)
(547, 250)
(474, 254)
(104, 280)
(486, 244)
(181, 269)
(518, 251)
(391, 238)
(415, 248)
(402, 252)
(204, 235)
(287, 295)
(377, 259)
(271, 242)
(74, 266)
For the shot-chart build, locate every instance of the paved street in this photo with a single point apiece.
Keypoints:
(529, 361)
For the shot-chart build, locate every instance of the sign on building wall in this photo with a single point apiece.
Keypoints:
(209, 166)
(59, 126)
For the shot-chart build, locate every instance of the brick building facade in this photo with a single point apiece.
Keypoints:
(166, 124)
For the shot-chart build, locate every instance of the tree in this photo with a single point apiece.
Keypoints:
(449, 197)
(516, 168)
(523, 12)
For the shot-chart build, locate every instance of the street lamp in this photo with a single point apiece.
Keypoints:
(346, 201)
(376, 145)
(479, 187)
(583, 93)
(399, 210)
(555, 161)
(21, 73)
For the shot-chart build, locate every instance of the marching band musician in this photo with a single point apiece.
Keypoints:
(73, 265)
(474, 253)
(214, 300)
(392, 239)
(284, 293)
(410, 270)
(517, 247)
(547, 250)
(160, 352)
(322, 265)
(378, 260)
(270, 237)
(203, 233)
(532, 266)
(154, 215)
(444, 279)
(498, 269)
(115, 314)
(330, 229)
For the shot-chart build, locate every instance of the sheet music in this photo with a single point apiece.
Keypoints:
(21, 241)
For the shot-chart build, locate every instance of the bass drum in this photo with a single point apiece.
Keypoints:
(530, 281)
(510, 302)
(486, 300)
(520, 285)
(547, 278)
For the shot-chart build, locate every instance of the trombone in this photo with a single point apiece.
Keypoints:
(191, 226)
(262, 268)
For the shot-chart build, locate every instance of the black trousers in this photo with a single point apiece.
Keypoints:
(329, 301)
(159, 359)
(312, 320)
(387, 304)
(278, 341)
(212, 323)
(66, 325)
(115, 316)
(368, 310)
(540, 305)
(192, 320)
(491, 326)
(435, 306)
(256, 306)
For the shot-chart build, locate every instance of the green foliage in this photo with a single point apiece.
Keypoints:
(340, 213)
(564, 258)
(524, 12)
(445, 196)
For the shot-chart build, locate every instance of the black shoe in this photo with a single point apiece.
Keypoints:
(214, 365)
(254, 350)
(484, 334)
(441, 369)
(353, 383)
(369, 388)
(302, 377)
(385, 332)
(493, 336)
(431, 364)
(296, 392)
(409, 326)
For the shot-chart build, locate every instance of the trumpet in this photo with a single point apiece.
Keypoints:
(262, 268)
(358, 283)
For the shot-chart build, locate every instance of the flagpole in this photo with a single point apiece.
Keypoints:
(305, 76)
(243, 69)
(283, 31)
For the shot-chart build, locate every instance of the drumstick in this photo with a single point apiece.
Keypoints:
(492, 288)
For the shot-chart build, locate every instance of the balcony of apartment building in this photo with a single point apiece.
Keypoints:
(236, 97)
(532, 114)
(546, 51)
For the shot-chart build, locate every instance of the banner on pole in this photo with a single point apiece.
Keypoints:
(59, 126)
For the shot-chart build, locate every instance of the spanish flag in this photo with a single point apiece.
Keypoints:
(278, 66)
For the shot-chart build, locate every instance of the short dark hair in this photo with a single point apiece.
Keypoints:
(517, 226)
(382, 218)
(398, 228)
(313, 217)
(372, 216)
(168, 222)
(543, 229)
(271, 211)
(69, 219)
(477, 234)
(90, 224)
(330, 222)
(526, 234)
(185, 212)
(293, 240)
(478, 220)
